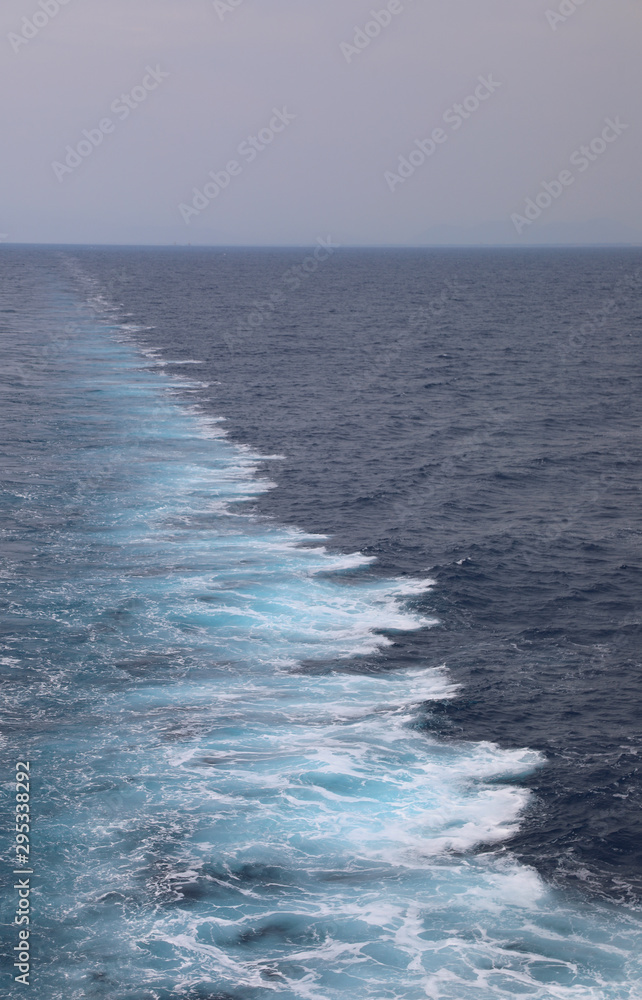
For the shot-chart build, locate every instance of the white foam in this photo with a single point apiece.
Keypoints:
(231, 760)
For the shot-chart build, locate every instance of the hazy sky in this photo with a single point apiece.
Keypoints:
(335, 97)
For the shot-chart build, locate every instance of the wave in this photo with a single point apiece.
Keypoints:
(240, 799)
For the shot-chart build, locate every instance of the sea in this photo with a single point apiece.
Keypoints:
(321, 616)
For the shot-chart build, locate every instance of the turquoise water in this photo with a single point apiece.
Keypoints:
(230, 799)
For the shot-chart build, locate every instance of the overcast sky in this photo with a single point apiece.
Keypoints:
(337, 100)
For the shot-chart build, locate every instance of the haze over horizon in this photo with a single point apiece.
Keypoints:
(228, 122)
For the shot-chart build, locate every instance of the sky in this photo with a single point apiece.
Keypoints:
(281, 122)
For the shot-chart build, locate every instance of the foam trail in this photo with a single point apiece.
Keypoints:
(234, 803)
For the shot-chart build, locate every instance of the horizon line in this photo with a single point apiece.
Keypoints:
(342, 246)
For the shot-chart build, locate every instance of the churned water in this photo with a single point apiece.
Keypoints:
(334, 697)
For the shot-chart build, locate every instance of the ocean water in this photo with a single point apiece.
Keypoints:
(319, 621)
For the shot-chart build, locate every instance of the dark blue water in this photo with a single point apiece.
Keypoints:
(400, 760)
